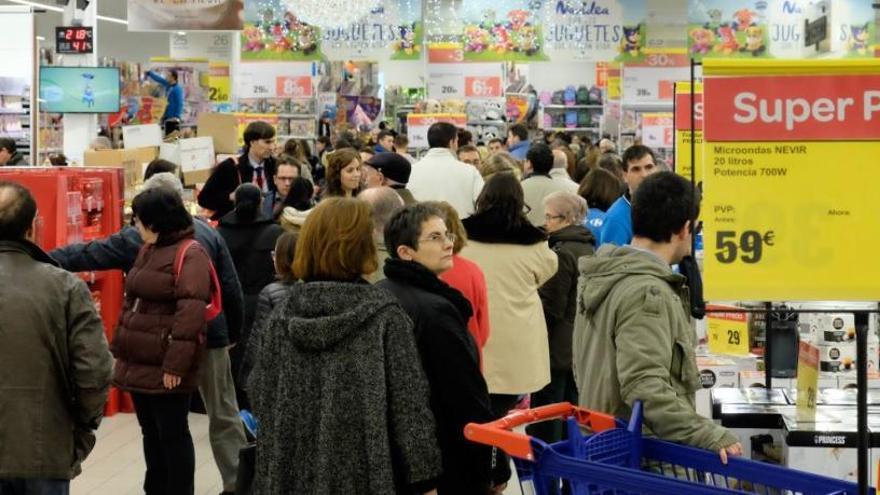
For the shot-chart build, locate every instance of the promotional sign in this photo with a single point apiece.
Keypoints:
(595, 31)
(720, 28)
(657, 129)
(184, 15)
(683, 130)
(212, 46)
(483, 87)
(807, 381)
(246, 118)
(258, 80)
(651, 84)
(218, 83)
(417, 125)
(728, 333)
(512, 33)
(294, 87)
(790, 211)
(293, 31)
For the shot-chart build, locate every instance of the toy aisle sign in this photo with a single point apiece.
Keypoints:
(595, 31)
(683, 130)
(807, 381)
(657, 129)
(728, 333)
(274, 30)
(787, 29)
(789, 213)
(417, 125)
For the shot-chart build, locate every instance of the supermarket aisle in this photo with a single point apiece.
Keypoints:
(117, 463)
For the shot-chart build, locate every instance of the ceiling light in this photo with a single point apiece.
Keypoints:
(60, 9)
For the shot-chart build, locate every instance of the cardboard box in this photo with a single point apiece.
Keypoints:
(195, 157)
(715, 372)
(222, 128)
(141, 136)
(134, 161)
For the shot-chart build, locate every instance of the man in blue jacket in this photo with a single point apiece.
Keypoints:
(174, 95)
(638, 163)
(118, 252)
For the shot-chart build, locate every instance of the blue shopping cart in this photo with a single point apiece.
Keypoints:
(616, 460)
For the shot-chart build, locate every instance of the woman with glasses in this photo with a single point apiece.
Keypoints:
(564, 214)
(516, 260)
(251, 238)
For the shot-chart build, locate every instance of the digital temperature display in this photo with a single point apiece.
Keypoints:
(74, 40)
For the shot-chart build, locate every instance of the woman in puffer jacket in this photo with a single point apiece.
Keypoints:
(161, 337)
(270, 297)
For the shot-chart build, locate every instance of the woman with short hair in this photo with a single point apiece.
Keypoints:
(337, 381)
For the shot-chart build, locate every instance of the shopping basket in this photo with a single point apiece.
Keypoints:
(616, 460)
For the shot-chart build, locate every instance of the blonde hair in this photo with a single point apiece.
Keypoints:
(501, 162)
(570, 205)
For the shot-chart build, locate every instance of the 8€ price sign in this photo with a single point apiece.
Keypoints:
(293, 87)
(790, 208)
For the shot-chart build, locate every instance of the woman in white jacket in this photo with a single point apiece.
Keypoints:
(516, 261)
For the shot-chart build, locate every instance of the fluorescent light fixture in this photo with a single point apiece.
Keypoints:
(40, 38)
(54, 8)
(181, 33)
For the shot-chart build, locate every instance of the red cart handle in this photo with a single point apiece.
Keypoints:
(498, 433)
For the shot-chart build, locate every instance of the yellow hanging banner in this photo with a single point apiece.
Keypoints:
(683, 130)
(807, 381)
(790, 205)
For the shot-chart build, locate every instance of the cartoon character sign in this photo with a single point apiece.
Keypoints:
(88, 96)
(502, 39)
(253, 39)
(754, 41)
(701, 40)
(528, 40)
(631, 44)
(280, 43)
(477, 39)
(727, 42)
(744, 19)
(407, 42)
(517, 19)
(859, 39)
(306, 41)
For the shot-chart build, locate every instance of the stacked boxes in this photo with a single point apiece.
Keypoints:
(835, 336)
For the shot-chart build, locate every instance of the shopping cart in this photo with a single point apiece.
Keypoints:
(616, 460)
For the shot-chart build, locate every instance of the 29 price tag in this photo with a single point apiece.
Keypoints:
(728, 333)
(807, 381)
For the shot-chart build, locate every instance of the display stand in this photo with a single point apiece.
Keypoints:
(861, 315)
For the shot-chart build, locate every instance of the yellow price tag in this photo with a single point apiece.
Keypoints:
(728, 333)
(683, 130)
(807, 381)
(218, 83)
(778, 223)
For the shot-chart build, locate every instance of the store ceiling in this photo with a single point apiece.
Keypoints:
(109, 8)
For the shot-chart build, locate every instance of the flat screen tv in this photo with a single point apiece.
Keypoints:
(79, 89)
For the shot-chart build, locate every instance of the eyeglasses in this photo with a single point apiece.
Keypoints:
(548, 218)
(441, 238)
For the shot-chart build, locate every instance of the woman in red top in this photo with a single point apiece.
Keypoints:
(468, 278)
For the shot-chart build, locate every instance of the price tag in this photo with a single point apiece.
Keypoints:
(417, 125)
(482, 87)
(293, 87)
(219, 85)
(657, 129)
(683, 130)
(791, 208)
(446, 86)
(728, 333)
(807, 381)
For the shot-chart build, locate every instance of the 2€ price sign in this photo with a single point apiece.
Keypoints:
(482, 87)
(293, 87)
(807, 381)
(728, 333)
(790, 205)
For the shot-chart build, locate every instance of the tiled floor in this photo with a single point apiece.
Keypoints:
(116, 466)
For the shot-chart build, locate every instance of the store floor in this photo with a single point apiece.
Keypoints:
(117, 463)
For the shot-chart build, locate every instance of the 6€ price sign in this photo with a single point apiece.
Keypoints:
(728, 333)
(790, 208)
(807, 381)
(482, 87)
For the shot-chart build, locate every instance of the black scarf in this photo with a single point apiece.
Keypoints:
(415, 274)
(491, 226)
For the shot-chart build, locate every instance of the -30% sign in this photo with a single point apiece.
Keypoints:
(747, 246)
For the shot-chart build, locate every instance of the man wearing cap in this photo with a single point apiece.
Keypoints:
(392, 170)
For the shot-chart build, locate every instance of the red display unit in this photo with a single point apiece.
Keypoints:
(80, 205)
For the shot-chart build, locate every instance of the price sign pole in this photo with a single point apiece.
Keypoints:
(791, 209)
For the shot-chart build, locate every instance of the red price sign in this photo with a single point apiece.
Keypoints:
(482, 87)
(293, 86)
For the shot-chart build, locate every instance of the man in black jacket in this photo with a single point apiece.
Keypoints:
(256, 164)
(118, 252)
(421, 248)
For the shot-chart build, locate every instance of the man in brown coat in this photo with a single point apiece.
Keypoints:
(54, 362)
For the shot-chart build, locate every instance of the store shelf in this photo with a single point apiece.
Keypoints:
(571, 107)
(594, 129)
